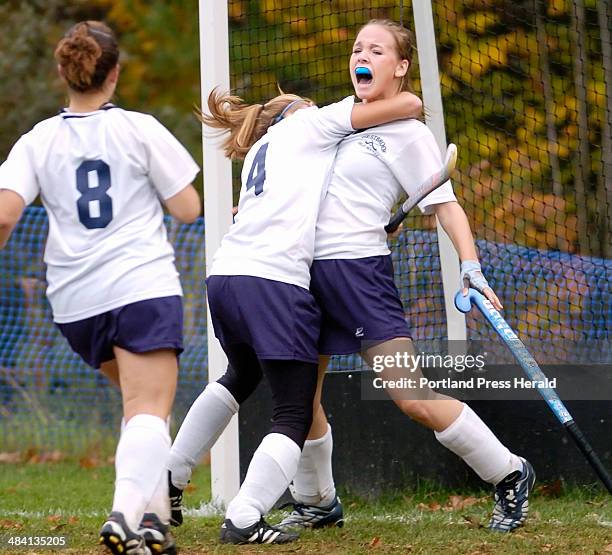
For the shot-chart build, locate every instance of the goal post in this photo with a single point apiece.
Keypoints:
(432, 100)
(214, 60)
(217, 173)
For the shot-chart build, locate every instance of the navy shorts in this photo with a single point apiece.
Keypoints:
(359, 302)
(279, 321)
(138, 327)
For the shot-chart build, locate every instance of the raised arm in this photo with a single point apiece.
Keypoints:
(11, 209)
(454, 221)
(404, 105)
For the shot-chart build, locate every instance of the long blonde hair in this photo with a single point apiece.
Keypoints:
(246, 123)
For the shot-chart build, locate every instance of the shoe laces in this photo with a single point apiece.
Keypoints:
(505, 491)
(300, 508)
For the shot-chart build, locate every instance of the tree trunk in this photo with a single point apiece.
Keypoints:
(549, 103)
(582, 159)
(604, 185)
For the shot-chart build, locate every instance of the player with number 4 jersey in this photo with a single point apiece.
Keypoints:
(262, 311)
(102, 174)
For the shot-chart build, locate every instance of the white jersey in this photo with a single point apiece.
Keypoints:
(372, 169)
(283, 179)
(100, 176)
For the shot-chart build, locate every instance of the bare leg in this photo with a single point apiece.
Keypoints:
(111, 371)
(424, 405)
(319, 420)
(455, 424)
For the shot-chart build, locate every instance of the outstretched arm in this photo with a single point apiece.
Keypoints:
(11, 208)
(404, 105)
(454, 221)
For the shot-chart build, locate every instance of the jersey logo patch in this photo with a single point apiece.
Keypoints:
(359, 332)
(374, 143)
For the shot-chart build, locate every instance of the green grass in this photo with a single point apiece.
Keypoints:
(72, 499)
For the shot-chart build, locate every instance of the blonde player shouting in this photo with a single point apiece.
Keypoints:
(262, 311)
(112, 284)
(352, 281)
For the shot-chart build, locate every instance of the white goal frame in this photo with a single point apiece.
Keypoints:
(214, 65)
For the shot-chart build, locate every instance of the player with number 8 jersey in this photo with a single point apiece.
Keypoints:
(105, 219)
(115, 293)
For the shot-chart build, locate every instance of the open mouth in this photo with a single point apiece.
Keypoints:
(363, 75)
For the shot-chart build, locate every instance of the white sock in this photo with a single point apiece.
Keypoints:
(160, 502)
(314, 481)
(207, 418)
(141, 458)
(272, 468)
(470, 438)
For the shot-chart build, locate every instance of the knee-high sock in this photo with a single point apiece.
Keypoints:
(160, 502)
(141, 458)
(207, 418)
(314, 481)
(272, 468)
(470, 438)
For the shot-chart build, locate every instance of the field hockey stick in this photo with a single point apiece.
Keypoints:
(428, 186)
(535, 374)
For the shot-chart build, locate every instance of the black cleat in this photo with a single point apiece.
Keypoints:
(176, 502)
(260, 532)
(311, 516)
(157, 535)
(116, 535)
(512, 499)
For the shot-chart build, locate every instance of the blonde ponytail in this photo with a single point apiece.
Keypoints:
(246, 123)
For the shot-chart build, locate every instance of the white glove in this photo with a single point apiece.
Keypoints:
(471, 276)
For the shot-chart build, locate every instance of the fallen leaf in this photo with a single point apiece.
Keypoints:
(375, 541)
(54, 518)
(88, 462)
(51, 457)
(472, 521)
(554, 489)
(433, 506)
(546, 547)
(10, 458)
(10, 524)
(458, 502)
(190, 488)
(73, 520)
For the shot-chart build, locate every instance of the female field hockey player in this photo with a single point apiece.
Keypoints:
(112, 283)
(352, 281)
(262, 311)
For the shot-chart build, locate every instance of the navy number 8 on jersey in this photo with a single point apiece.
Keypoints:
(95, 207)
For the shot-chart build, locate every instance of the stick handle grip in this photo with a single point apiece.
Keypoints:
(589, 453)
(395, 221)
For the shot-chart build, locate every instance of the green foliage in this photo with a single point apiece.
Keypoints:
(492, 66)
(29, 90)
